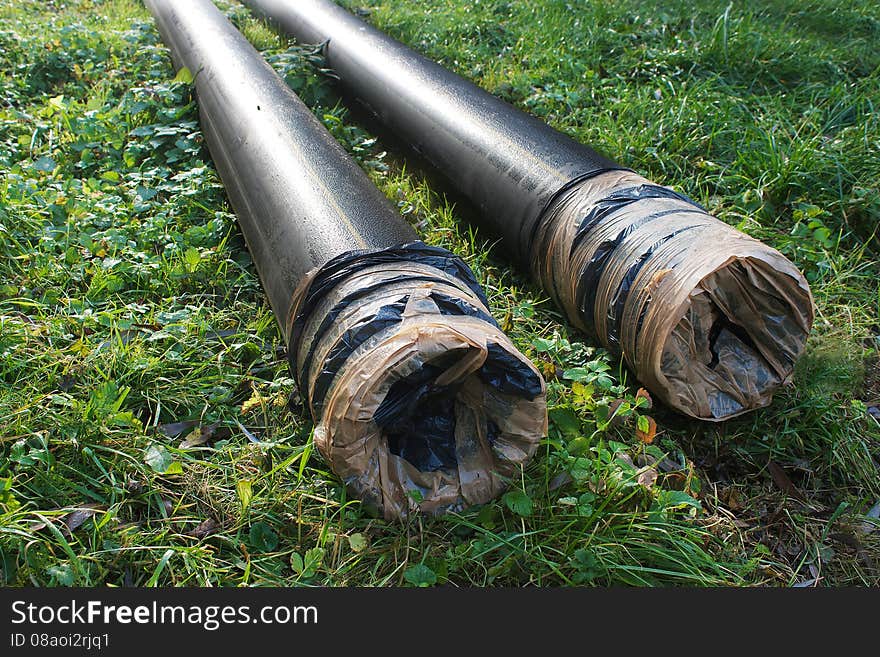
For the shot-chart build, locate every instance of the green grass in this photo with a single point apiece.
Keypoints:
(128, 305)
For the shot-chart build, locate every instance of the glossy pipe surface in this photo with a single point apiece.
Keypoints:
(506, 162)
(299, 197)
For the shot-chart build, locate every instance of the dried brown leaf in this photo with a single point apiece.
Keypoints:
(205, 528)
(256, 400)
(731, 498)
(615, 419)
(780, 478)
(548, 369)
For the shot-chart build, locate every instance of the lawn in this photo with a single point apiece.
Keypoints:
(151, 434)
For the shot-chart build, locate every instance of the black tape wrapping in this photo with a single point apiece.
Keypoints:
(711, 320)
(421, 299)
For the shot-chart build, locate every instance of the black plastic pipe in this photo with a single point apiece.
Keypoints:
(419, 400)
(710, 320)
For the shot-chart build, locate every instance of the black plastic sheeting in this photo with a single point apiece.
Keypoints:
(425, 439)
(416, 392)
(618, 200)
(588, 281)
(417, 415)
(341, 267)
(653, 277)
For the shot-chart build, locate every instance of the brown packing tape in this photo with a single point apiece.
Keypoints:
(712, 320)
(357, 448)
(552, 264)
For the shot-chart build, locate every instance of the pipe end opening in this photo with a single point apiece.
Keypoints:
(743, 328)
(438, 422)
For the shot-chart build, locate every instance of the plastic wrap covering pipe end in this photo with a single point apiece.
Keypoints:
(420, 401)
(709, 319)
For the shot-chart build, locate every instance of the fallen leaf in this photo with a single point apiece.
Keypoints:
(245, 492)
(646, 429)
(647, 477)
(358, 542)
(560, 480)
(785, 484)
(732, 499)
(614, 419)
(507, 323)
(548, 369)
(256, 400)
(202, 435)
(196, 437)
(643, 394)
(158, 458)
(173, 429)
(75, 519)
(205, 528)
